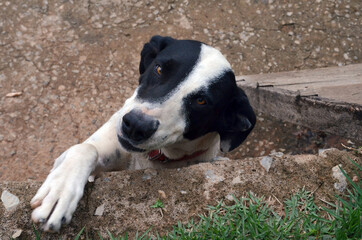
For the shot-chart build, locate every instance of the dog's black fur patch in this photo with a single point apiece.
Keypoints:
(224, 102)
(176, 58)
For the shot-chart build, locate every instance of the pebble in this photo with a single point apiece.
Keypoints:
(13, 94)
(209, 174)
(276, 154)
(61, 88)
(229, 197)
(266, 162)
(17, 233)
(99, 211)
(10, 201)
(341, 183)
(355, 178)
(148, 173)
(162, 194)
(236, 180)
(324, 152)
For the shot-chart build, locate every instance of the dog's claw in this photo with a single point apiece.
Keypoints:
(64, 220)
(42, 220)
(35, 204)
(51, 227)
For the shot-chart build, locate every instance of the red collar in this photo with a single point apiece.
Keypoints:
(157, 155)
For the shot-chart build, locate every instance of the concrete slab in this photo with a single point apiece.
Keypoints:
(342, 84)
(326, 99)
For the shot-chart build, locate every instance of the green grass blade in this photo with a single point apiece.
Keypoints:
(79, 234)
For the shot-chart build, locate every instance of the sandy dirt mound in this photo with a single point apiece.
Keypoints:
(128, 195)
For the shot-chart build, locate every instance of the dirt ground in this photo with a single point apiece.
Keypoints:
(75, 62)
(128, 195)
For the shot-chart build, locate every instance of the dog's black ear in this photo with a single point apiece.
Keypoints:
(236, 122)
(151, 49)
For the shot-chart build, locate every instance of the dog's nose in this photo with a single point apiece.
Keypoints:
(138, 127)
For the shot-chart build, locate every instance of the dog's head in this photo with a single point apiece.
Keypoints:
(186, 90)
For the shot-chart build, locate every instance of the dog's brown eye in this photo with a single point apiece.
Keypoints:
(201, 101)
(158, 69)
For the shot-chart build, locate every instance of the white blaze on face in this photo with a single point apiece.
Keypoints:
(210, 65)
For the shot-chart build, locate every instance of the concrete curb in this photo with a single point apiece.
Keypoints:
(324, 114)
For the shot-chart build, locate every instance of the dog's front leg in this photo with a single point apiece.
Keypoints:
(58, 197)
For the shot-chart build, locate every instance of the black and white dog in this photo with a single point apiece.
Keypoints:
(187, 106)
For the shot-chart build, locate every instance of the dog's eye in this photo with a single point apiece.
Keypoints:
(200, 101)
(158, 69)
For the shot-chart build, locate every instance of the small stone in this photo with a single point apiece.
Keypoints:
(183, 22)
(355, 178)
(266, 162)
(209, 174)
(183, 192)
(82, 59)
(276, 154)
(99, 211)
(148, 173)
(97, 25)
(9, 200)
(229, 197)
(324, 152)
(61, 88)
(162, 194)
(236, 180)
(17, 233)
(14, 94)
(341, 183)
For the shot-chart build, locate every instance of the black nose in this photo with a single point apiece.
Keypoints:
(138, 127)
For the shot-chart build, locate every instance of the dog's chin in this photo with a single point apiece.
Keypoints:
(128, 146)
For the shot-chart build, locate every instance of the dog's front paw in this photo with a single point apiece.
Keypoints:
(58, 197)
(56, 201)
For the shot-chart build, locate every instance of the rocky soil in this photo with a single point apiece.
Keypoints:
(121, 202)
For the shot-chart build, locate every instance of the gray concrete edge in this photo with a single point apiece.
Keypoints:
(339, 118)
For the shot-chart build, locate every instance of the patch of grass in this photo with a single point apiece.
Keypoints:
(347, 212)
(158, 204)
(252, 218)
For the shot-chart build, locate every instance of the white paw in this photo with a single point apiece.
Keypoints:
(58, 197)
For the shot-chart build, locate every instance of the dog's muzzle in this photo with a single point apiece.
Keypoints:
(138, 127)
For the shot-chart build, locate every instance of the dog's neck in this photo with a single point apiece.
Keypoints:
(206, 145)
